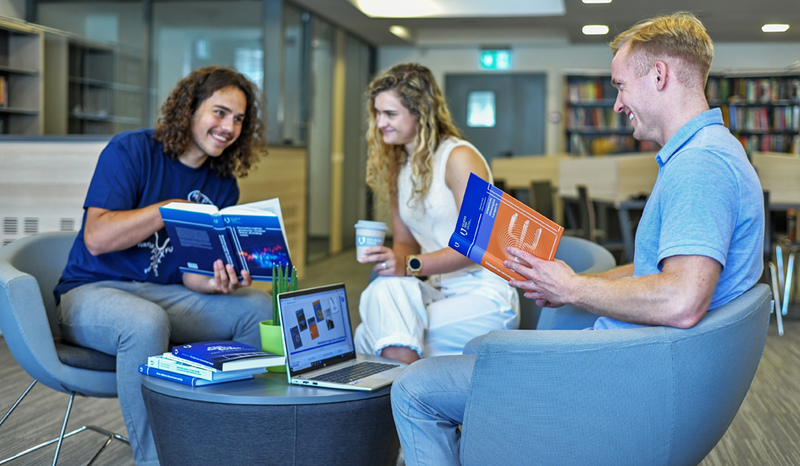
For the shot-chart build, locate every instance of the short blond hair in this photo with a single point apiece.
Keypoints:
(679, 39)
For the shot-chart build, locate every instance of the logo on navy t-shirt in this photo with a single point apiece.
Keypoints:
(158, 251)
(198, 197)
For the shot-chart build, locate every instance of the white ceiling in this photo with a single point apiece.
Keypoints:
(725, 20)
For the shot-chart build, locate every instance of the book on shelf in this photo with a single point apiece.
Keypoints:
(250, 237)
(185, 379)
(491, 220)
(228, 355)
(171, 363)
(3, 92)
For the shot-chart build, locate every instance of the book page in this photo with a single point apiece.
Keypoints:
(271, 207)
(192, 207)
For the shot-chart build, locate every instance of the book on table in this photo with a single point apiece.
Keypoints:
(250, 237)
(228, 355)
(186, 379)
(171, 363)
(490, 221)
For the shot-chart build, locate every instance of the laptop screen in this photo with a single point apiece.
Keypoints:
(316, 328)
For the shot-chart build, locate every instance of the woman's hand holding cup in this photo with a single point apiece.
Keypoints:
(386, 263)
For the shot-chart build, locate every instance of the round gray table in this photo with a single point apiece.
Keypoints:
(266, 421)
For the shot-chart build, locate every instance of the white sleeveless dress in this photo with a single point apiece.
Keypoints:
(438, 316)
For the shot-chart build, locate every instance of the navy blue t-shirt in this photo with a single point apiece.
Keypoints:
(133, 172)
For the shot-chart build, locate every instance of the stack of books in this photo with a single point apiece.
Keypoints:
(211, 362)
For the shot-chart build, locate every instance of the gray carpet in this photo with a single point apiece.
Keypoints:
(766, 430)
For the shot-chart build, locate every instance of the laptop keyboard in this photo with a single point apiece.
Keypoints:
(354, 372)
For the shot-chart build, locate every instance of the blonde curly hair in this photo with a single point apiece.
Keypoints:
(416, 88)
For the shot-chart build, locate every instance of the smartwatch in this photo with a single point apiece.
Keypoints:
(413, 265)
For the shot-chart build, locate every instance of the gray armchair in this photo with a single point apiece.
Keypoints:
(650, 396)
(29, 270)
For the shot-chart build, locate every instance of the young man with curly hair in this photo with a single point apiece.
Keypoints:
(698, 245)
(122, 292)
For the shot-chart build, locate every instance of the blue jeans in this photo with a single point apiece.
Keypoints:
(428, 403)
(134, 320)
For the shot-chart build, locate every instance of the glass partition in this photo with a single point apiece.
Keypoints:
(193, 34)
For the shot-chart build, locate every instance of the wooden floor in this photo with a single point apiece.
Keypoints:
(766, 431)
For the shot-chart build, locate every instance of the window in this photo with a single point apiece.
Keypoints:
(480, 109)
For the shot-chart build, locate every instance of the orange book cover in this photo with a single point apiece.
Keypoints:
(491, 220)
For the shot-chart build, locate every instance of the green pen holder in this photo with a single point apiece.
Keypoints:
(271, 341)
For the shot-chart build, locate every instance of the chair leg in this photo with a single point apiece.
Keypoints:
(779, 262)
(776, 297)
(111, 435)
(17, 402)
(787, 288)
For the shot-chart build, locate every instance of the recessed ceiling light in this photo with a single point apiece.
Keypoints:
(775, 27)
(596, 1)
(595, 29)
(400, 32)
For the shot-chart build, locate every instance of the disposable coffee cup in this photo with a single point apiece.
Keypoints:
(368, 234)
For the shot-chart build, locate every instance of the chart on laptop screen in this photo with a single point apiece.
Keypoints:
(316, 328)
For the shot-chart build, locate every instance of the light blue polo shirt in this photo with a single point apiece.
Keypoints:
(707, 201)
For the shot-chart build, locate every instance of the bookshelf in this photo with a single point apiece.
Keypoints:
(105, 95)
(21, 87)
(592, 126)
(762, 109)
(91, 88)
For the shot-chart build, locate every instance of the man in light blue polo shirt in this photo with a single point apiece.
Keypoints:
(698, 244)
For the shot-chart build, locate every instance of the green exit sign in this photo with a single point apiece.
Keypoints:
(495, 59)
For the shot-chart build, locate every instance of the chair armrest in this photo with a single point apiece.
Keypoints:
(24, 323)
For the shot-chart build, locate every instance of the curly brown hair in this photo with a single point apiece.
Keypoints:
(416, 88)
(174, 129)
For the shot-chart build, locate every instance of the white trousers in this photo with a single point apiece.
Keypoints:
(434, 317)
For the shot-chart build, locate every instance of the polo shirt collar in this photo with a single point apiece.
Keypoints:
(687, 131)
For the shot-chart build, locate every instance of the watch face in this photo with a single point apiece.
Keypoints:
(414, 263)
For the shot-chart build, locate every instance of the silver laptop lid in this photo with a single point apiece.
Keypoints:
(316, 328)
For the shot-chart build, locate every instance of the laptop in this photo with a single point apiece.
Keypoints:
(318, 343)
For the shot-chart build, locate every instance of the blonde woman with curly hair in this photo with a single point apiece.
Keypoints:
(420, 165)
(122, 292)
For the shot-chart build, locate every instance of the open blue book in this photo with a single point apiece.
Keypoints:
(250, 237)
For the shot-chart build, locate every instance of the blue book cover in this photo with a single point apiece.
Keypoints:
(250, 237)
(185, 379)
(228, 355)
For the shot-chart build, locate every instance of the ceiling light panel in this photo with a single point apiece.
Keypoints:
(595, 30)
(458, 8)
(596, 1)
(775, 27)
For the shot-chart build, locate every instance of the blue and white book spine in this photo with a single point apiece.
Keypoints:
(185, 379)
(172, 365)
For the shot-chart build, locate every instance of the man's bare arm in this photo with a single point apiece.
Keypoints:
(678, 296)
(115, 230)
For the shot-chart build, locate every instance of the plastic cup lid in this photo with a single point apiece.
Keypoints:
(370, 225)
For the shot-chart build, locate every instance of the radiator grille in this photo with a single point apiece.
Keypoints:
(31, 226)
(67, 224)
(10, 225)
